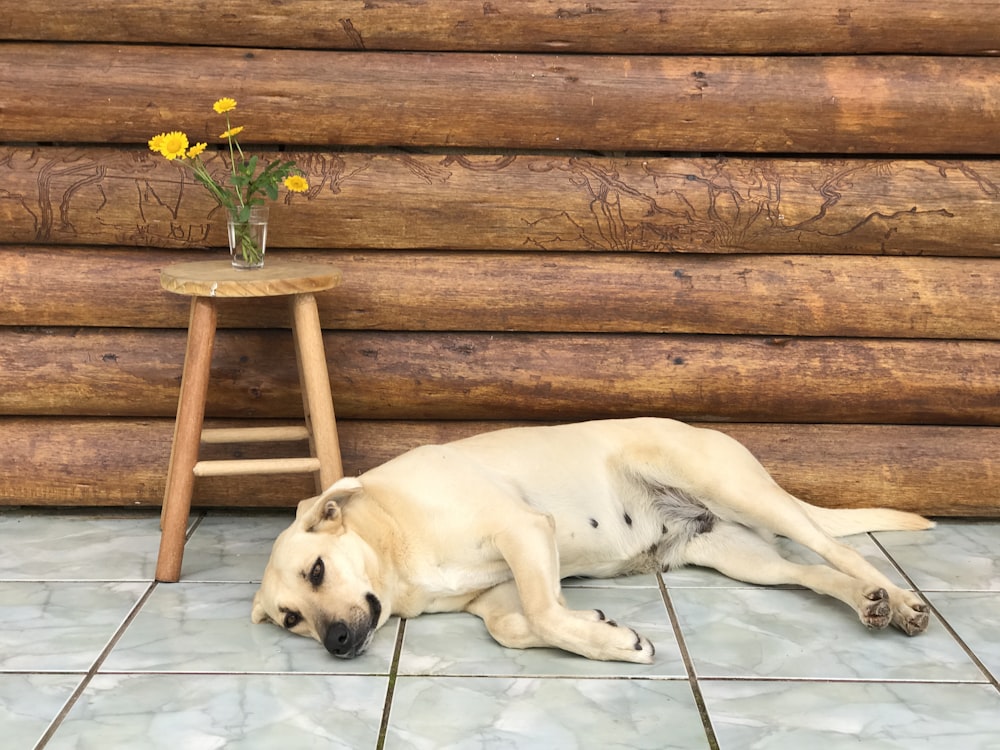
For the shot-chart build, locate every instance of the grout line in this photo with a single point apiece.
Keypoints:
(840, 680)
(699, 699)
(194, 526)
(994, 681)
(391, 686)
(95, 667)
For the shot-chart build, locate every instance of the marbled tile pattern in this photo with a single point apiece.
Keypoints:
(95, 654)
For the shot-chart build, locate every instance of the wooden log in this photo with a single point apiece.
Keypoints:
(104, 196)
(615, 26)
(127, 372)
(838, 104)
(890, 297)
(123, 463)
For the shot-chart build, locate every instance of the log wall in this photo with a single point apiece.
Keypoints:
(777, 217)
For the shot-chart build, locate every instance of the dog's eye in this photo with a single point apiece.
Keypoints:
(317, 573)
(292, 619)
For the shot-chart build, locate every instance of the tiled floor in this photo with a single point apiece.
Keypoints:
(94, 654)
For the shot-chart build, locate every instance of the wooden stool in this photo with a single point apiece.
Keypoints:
(206, 281)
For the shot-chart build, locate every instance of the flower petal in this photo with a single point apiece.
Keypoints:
(296, 183)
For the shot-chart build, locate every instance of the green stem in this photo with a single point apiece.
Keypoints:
(232, 158)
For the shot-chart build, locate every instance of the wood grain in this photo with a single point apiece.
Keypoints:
(279, 277)
(526, 202)
(886, 297)
(128, 372)
(811, 104)
(781, 216)
(613, 26)
(115, 462)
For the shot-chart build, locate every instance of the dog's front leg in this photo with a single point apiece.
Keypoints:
(500, 610)
(529, 548)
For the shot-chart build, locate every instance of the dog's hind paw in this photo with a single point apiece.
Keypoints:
(875, 611)
(911, 617)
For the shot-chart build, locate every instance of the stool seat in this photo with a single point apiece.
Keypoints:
(219, 279)
(206, 282)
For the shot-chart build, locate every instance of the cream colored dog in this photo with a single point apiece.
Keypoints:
(490, 525)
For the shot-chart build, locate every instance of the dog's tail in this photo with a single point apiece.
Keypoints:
(847, 521)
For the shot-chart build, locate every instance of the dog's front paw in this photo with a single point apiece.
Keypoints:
(643, 648)
(621, 643)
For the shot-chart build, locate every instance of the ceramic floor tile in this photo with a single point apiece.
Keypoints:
(700, 577)
(29, 703)
(974, 616)
(205, 627)
(799, 634)
(232, 547)
(831, 716)
(46, 546)
(237, 712)
(956, 555)
(522, 713)
(59, 625)
(192, 671)
(458, 643)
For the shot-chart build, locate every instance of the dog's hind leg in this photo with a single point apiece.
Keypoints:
(746, 494)
(786, 516)
(528, 545)
(742, 554)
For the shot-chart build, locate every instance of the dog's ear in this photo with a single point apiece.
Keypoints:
(322, 513)
(257, 614)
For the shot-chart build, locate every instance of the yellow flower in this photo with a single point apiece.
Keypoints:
(296, 183)
(250, 181)
(225, 104)
(171, 145)
(156, 142)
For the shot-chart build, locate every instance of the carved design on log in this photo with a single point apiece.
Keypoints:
(107, 196)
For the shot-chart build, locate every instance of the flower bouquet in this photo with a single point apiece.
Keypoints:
(243, 193)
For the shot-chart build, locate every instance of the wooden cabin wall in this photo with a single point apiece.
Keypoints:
(780, 218)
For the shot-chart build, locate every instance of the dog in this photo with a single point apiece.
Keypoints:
(491, 524)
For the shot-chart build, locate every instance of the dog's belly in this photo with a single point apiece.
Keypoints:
(614, 515)
(606, 551)
(634, 529)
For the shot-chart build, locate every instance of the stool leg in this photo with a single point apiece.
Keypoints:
(187, 438)
(316, 399)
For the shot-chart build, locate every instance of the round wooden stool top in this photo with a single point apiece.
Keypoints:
(218, 278)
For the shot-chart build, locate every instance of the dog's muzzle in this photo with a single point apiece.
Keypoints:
(345, 640)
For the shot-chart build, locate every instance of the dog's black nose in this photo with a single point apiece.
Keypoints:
(338, 639)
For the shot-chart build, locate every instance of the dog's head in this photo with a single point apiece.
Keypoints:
(317, 582)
